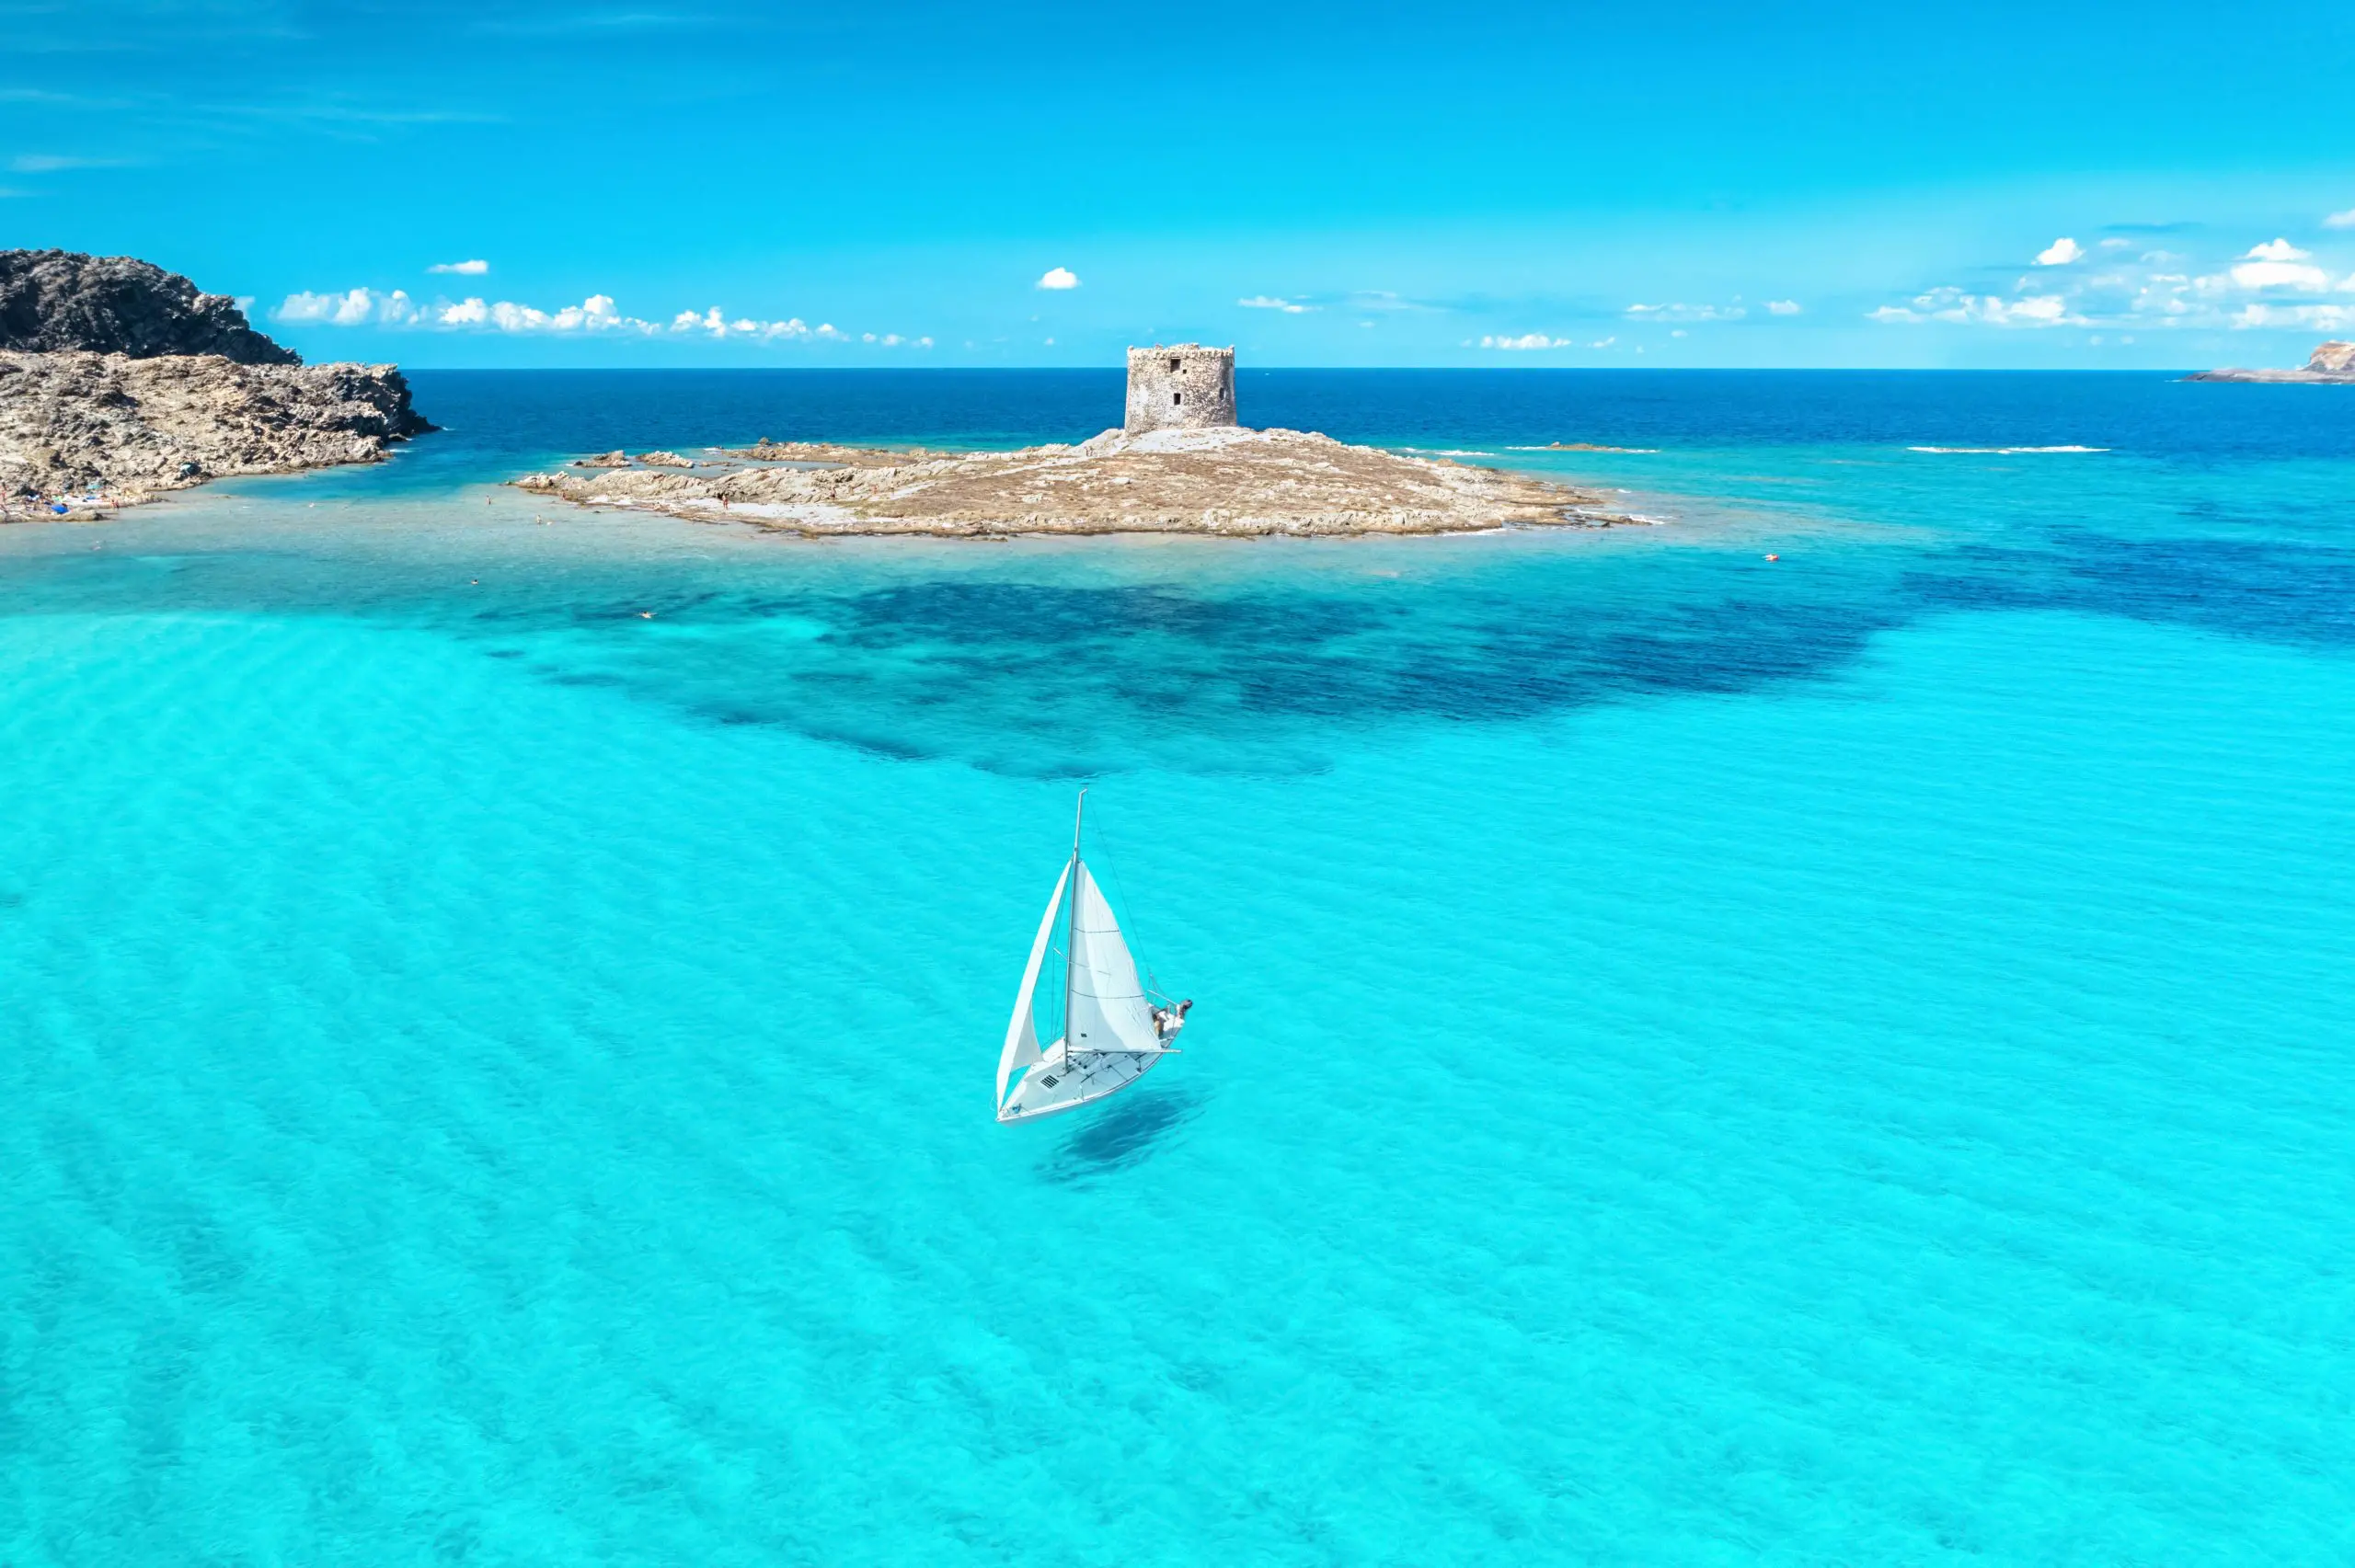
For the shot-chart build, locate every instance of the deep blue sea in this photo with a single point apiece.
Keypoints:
(1844, 1059)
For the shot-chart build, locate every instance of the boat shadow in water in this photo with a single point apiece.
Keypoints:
(1123, 1134)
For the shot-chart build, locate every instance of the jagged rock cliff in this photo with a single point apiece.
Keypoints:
(120, 377)
(2332, 363)
(82, 422)
(53, 300)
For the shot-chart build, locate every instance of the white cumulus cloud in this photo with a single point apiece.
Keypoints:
(347, 309)
(1783, 307)
(2341, 220)
(717, 323)
(360, 306)
(2157, 289)
(2060, 253)
(1059, 277)
(1953, 305)
(1268, 302)
(1526, 340)
(469, 269)
(597, 313)
(2301, 274)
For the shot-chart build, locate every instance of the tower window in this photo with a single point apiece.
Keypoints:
(1176, 398)
(1173, 365)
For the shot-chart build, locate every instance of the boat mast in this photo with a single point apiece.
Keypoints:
(1071, 929)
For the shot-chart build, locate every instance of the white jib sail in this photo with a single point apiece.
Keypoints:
(1022, 1033)
(1108, 1009)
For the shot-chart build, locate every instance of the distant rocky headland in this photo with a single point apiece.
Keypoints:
(1215, 480)
(119, 380)
(2331, 364)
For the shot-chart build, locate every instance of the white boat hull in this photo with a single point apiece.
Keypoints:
(1048, 1089)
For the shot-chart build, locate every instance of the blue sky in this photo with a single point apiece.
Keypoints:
(1675, 184)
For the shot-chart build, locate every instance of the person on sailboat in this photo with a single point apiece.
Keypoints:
(1168, 1020)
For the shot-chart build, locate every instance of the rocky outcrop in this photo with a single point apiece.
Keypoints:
(120, 379)
(79, 422)
(2332, 363)
(62, 300)
(1228, 481)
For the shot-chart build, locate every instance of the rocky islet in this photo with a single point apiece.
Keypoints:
(2331, 364)
(1225, 481)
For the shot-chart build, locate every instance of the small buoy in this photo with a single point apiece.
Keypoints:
(646, 614)
(1774, 558)
(476, 581)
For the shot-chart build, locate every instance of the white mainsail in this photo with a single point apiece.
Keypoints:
(1109, 1039)
(1022, 1046)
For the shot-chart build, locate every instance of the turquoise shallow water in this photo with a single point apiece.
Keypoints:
(1698, 1060)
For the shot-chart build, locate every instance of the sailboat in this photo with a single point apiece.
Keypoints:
(1108, 1038)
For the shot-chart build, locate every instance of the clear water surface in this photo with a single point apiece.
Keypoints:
(1842, 1059)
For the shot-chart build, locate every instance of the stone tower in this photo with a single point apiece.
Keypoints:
(1182, 387)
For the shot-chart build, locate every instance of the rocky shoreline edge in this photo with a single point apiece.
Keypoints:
(1220, 481)
(120, 382)
(84, 434)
